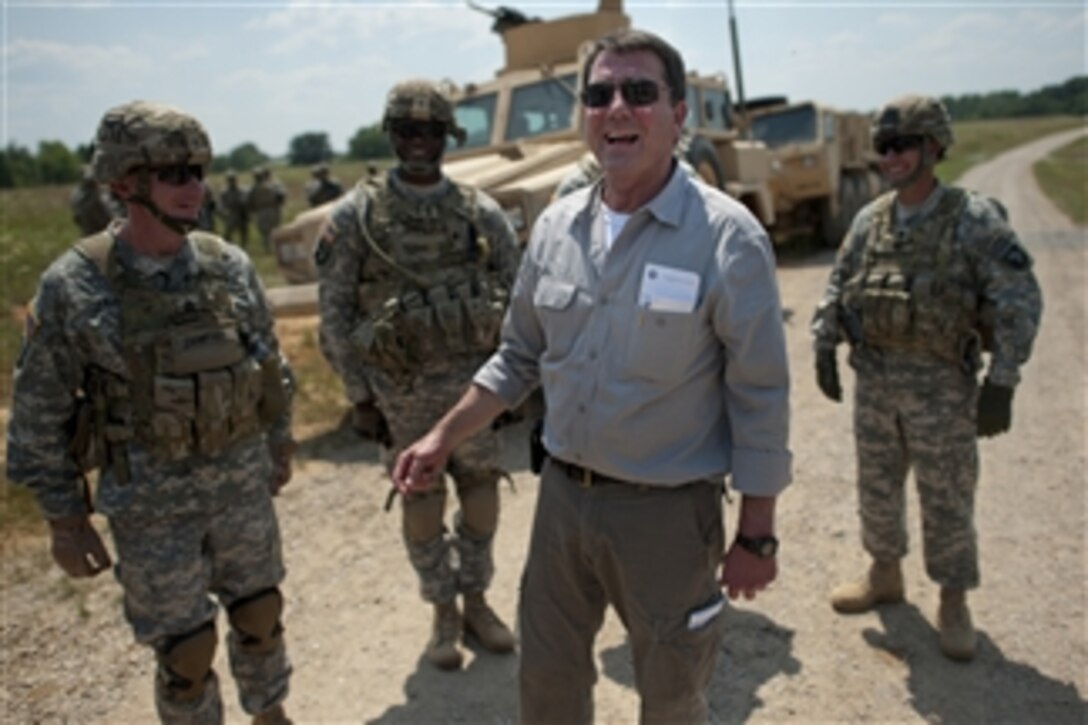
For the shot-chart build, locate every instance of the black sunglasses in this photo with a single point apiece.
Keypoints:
(898, 144)
(419, 129)
(179, 174)
(635, 92)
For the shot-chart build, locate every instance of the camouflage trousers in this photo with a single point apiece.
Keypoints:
(236, 229)
(447, 562)
(167, 567)
(914, 413)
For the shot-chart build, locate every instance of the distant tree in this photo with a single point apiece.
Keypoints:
(1068, 98)
(308, 148)
(57, 164)
(369, 142)
(245, 156)
(85, 151)
(18, 167)
(220, 163)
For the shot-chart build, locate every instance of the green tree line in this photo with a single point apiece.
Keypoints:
(55, 163)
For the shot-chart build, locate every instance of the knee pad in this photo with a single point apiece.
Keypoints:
(423, 515)
(479, 505)
(185, 662)
(256, 620)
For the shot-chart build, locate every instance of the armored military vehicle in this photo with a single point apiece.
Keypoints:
(823, 168)
(523, 129)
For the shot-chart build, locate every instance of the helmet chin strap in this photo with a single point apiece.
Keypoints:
(142, 197)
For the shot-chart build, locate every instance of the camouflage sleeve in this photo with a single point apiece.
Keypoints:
(340, 255)
(505, 251)
(263, 338)
(47, 375)
(1007, 286)
(826, 329)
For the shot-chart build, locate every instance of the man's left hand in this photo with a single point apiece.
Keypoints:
(281, 453)
(744, 573)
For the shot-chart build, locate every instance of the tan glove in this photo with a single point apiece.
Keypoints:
(77, 548)
(281, 453)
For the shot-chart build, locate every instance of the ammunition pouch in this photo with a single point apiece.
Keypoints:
(410, 330)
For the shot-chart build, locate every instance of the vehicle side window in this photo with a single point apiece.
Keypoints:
(716, 108)
(543, 107)
(477, 116)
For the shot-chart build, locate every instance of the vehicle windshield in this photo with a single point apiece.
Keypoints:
(477, 116)
(793, 125)
(546, 106)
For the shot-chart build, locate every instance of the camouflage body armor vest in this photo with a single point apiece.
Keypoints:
(192, 386)
(914, 290)
(438, 298)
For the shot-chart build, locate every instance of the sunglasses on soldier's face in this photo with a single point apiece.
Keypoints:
(179, 174)
(419, 129)
(635, 92)
(898, 144)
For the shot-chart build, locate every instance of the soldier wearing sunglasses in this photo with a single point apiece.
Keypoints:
(930, 281)
(647, 309)
(150, 357)
(414, 273)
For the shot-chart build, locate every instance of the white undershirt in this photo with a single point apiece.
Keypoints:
(614, 222)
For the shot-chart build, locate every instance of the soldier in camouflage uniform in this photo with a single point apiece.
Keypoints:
(322, 187)
(414, 273)
(232, 207)
(150, 355)
(90, 205)
(264, 202)
(927, 279)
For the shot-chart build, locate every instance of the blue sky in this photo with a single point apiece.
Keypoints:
(266, 71)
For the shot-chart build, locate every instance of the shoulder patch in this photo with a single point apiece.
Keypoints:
(325, 239)
(1016, 257)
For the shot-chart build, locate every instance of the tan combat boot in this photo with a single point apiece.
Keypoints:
(883, 584)
(958, 638)
(275, 715)
(481, 621)
(442, 649)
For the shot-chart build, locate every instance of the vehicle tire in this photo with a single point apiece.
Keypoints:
(704, 159)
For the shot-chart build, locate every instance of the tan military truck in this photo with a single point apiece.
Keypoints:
(823, 168)
(523, 131)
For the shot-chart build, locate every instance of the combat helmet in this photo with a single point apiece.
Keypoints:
(913, 115)
(144, 134)
(420, 100)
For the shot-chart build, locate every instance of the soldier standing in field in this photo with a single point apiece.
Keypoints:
(90, 205)
(150, 355)
(232, 207)
(322, 187)
(927, 279)
(414, 273)
(264, 201)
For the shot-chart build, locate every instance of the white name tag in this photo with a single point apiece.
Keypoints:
(667, 289)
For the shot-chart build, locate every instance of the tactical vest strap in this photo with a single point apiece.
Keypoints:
(97, 248)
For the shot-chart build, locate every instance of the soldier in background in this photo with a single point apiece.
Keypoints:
(264, 201)
(232, 208)
(150, 355)
(414, 273)
(91, 208)
(205, 221)
(927, 278)
(322, 187)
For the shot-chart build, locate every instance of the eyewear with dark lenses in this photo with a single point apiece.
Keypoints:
(179, 174)
(419, 129)
(636, 93)
(898, 144)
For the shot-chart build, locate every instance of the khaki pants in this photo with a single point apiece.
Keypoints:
(653, 554)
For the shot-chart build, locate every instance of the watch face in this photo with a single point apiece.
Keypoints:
(762, 546)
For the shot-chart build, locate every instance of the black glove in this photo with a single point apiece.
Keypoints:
(994, 409)
(827, 374)
(369, 422)
(76, 546)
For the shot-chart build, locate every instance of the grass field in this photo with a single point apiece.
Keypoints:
(1063, 176)
(36, 226)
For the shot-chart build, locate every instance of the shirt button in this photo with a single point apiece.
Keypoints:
(659, 322)
(581, 408)
(592, 354)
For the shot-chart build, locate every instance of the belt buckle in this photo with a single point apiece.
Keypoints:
(587, 478)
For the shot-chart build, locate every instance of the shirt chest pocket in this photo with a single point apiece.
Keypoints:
(559, 313)
(661, 345)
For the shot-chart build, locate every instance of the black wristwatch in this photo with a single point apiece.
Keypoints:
(765, 547)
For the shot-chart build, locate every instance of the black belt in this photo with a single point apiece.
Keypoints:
(587, 477)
